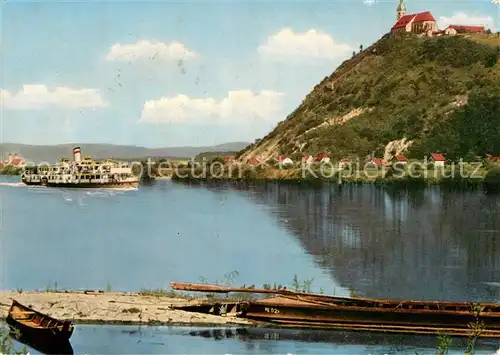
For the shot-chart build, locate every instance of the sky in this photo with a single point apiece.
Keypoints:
(178, 73)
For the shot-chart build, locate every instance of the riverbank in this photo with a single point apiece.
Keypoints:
(465, 176)
(114, 308)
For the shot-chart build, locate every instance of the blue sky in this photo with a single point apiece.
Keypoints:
(181, 73)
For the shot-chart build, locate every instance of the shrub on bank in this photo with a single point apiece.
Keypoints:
(10, 170)
(493, 176)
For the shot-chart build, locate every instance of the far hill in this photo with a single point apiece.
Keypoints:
(403, 94)
(51, 153)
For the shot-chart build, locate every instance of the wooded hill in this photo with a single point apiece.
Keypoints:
(404, 94)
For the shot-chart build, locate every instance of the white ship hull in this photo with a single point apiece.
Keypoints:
(86, 185)
(81, 173)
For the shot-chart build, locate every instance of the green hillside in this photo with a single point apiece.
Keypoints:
(402, 94)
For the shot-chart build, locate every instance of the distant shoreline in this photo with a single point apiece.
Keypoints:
(380, 177)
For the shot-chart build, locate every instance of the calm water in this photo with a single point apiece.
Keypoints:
(428, 244)
(88, 339)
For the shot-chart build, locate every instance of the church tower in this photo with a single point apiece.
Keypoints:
(401, 9)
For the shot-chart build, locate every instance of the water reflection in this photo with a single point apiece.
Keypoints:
(119, 339)
(389, 343)
(45, 346)
(420, 244)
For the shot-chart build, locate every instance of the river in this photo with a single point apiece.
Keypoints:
(424, 244)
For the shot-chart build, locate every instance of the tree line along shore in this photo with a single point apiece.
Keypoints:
(414, 173)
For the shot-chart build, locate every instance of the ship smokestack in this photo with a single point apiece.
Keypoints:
(77, 154)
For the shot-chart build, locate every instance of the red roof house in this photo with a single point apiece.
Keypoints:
(416, 23)
(321, 157)
(253, 161)
(378, 162)
(492, 157)
(438, 157)
(466, 29)
(17, 162)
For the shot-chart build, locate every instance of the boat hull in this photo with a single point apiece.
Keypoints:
(28, 334)
(308, 314)
(306, 310)
(39, 328)
(111, 185)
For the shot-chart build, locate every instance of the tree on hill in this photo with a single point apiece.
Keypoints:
(473, 130)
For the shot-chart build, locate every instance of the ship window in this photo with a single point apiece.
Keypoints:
(92, 176)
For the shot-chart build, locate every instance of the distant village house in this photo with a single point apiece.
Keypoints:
(14, 160)
(438, 159)
(282, 160)
(493, 158)
(228, 159)
(454, 29)
(253, 161)
(322, 158)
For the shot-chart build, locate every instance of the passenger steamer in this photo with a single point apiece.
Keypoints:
(81, 173)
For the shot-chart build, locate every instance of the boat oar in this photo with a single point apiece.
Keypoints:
(188, 286)
(196, 287)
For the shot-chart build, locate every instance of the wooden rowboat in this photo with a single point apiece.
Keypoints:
(28, 324)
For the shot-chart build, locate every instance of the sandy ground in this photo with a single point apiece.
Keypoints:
(112, 307)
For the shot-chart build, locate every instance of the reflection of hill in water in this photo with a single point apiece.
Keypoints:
(426, 244)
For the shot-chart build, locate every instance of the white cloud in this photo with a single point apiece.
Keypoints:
(462, 18)
(312, 44)
(237, 105)
(37, 97)
(145, 49)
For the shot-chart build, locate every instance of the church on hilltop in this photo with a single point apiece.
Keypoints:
(421, 22)
(424, 23)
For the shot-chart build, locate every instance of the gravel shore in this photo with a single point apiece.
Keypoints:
(113, 308)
